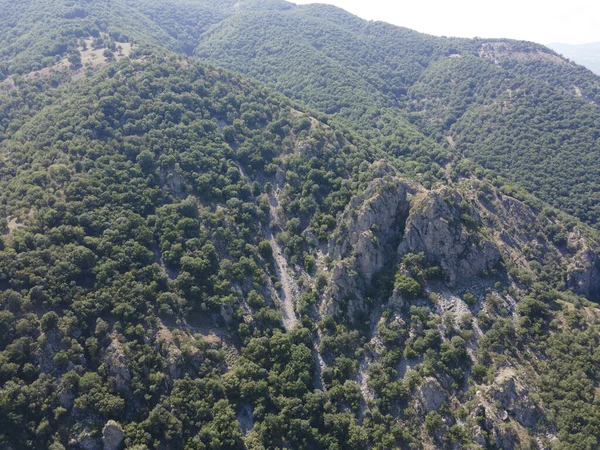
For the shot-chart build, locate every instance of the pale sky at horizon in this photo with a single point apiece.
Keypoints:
(545, 22)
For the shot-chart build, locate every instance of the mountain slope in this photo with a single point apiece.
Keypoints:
(161, 216)
(188, 259)
(378, 78)
(38, 33)
(524, 128)
(150, 252)
(336, 63)
(375, 77)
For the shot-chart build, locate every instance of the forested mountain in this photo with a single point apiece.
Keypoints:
(318, 246)
(514, 107)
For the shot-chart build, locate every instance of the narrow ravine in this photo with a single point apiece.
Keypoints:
(319, 363)
(367, 359)
(289, 289)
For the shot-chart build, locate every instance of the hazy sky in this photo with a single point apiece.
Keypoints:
(545, 22)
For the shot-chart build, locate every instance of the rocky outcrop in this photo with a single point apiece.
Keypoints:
(170, 348)
(86, 440)
(174, 362)
(502, 51)
(516, 211)
(343, 292)
(372, 223)
(506, 438)
(513, 397)
(112, 436)
(50, 346)
(365, 241)
(66, 395)
(431, 395)
(435, 227)
(227, 313)
(468, 231)
(245, 417)
(393, 217)
(583, 275)
(117, 365)
(518, 227)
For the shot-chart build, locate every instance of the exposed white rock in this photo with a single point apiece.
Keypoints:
(112, 436)
(431, 395)
(117, 364)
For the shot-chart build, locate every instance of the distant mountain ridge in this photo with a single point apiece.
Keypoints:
(587, 55)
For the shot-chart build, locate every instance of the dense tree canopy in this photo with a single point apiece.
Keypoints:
(153, 207)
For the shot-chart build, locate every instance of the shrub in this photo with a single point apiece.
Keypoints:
(409, 287)
(470, 299)
(265, 249)
(479, 372)
(49, 321)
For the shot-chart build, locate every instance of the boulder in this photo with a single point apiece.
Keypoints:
(86, 440)
(112, 436)
(514, 397)
(431, 395)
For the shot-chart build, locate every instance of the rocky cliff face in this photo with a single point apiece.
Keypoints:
(365, 241)
(112, 436)
(583, 274)
(465, 231)
(513, 399)
(117, 364)
(372, 224)
(448, 236)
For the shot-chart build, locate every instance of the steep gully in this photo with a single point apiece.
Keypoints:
(289, 288)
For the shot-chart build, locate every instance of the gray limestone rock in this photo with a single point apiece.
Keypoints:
(117, 365)
(112, 436)
(514, 397)
(431, 395)
(436, 228)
